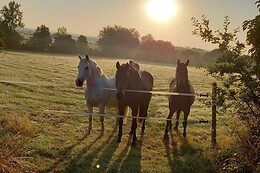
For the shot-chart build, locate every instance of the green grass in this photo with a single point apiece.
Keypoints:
(58, 147)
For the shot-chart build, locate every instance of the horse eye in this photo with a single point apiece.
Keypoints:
(86, 68)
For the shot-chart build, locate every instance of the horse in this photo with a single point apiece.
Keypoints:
(179, 103)
(129, 77)
(97, 93)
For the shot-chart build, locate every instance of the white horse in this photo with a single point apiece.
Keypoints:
(95, 94)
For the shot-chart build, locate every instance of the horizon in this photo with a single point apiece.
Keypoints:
(79, 19)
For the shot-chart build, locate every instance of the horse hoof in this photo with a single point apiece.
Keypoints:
(131, 133)
(101, 133)
(166, 137)
(87, 133)
(133, 144)
(118, 140)
(142, 133)
(184, 135)
(175, 128)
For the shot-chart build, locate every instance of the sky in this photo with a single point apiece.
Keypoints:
(88, 17)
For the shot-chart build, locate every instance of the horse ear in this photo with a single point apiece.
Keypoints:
(87, 57)
(187, 63)
(178, 61)
(117, 65)
(80, 58)
(127, 65)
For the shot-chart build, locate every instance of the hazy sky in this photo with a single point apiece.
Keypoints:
(88, 17)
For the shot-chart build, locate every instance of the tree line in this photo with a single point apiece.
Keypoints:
(114, 41)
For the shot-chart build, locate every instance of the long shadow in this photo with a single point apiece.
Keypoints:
(84, 161)
(133, 158)
(186, 158)
(116, 165)
(64, 154)
(128, 156)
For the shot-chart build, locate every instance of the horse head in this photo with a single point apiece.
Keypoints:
(84, 70)
(122, 76)
(182, 73)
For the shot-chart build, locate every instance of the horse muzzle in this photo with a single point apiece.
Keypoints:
(79, 82)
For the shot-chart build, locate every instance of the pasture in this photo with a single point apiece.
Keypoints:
(56, 145)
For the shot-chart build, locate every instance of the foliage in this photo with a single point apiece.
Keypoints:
(118, 40)
(63, 42)
(11, 18)
(253, 36)
(240, 76)
(156, 50)
(2, 36)
(41, 40)
(82, 45)
(12, 15)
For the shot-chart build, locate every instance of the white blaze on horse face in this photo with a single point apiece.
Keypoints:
(84, 70)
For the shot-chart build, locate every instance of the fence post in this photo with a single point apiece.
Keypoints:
(214, 112)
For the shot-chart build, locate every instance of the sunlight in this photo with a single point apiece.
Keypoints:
(161, 10)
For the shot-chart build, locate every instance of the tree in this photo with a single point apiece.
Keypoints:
(157, 50)
(63, 42)
(2, 36)
(253, 35)
(11, 18)
(118, 40)
(41, 40)
(82, 44)
(239, 74)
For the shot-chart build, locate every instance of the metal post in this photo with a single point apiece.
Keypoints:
(214, 112)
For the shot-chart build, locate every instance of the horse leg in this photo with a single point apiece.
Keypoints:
(143, 112)
(134, 125)
(133, 121)
(177, 120)
(185, 122)
(101, 112)
(90, 111)
(143, 127)
(120, 128)
(117, 120)
(168, 124)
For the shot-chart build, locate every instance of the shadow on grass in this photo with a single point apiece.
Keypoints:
(184, 158)
(100, 156)
(64, 154)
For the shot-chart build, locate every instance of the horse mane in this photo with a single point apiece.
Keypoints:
(95, 68)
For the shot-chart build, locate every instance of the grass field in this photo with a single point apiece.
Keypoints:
(54, 139)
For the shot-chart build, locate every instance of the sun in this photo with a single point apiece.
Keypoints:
(161, 10)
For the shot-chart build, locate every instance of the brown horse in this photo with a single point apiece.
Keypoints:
(179, 103)
(129, 77)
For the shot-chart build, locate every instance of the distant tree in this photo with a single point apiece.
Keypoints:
(11, 18)
(12, 15)
(63, 42)
(2, 36)
(82, 44)
(156, 50)
(41, 40)
(118, 40)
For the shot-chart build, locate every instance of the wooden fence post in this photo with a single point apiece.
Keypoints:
(214, 112)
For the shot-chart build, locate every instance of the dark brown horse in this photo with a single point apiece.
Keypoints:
(129, 77)
(179, 103)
